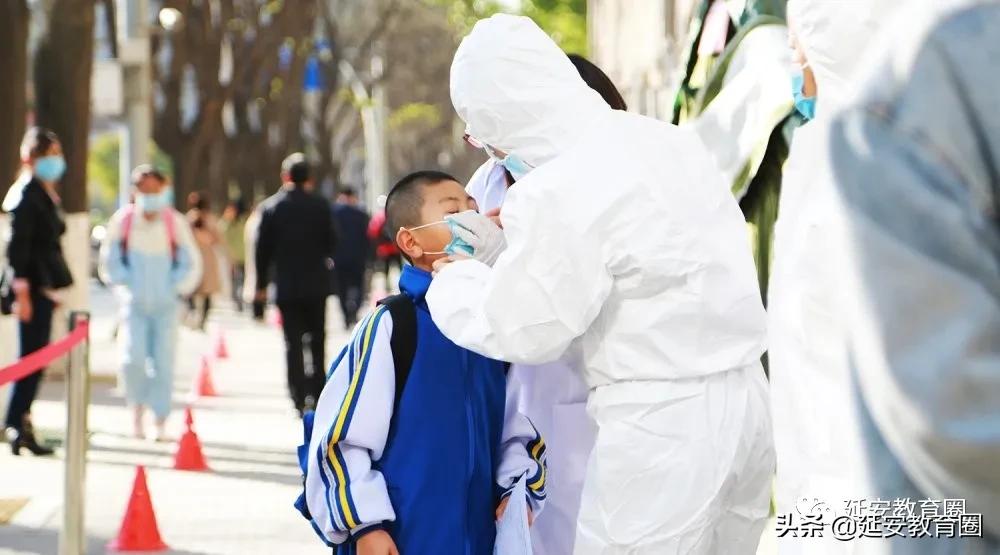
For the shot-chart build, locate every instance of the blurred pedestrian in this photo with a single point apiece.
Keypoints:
(809, 394)
(914, 160)
(39, 269)
(250, 229)
(208, 239)
(296, 239)
(233, 225)
(351, 254)
(149, 254)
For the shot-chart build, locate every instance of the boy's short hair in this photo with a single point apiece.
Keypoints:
(402, 207)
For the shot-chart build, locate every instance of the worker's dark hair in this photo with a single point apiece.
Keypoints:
(143, 171)
(297, 168)
(348, 191)
(36, 142)
(402, 206)
(599, 81)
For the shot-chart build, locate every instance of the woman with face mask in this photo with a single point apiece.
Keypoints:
(208, 237)
(39, 269)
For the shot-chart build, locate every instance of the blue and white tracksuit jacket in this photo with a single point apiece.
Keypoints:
(433, 473)
(148, 286)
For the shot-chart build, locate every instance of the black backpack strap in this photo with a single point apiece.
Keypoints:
(404, 339)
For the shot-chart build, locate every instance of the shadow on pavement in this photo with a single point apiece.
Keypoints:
(44, 541)
(105, 395)
(100, 394)
(239, 454)
(251, 475)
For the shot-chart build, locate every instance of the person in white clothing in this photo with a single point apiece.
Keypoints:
(885, 337)
(623, 246)
(553, 395)
(819, 461)
(151, 258)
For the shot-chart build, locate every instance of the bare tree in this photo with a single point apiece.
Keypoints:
(13, 65)
(192, 59)
(230, 102)
(425, 132)
(266, 104)
(416, 40)
(353, 29)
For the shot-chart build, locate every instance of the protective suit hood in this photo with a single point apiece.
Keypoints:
(836, 37)
(518, 92)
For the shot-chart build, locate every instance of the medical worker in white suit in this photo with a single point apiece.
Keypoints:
(622, 246)
(552, 395)
(821, 462)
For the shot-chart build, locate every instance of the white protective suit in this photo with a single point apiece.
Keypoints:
(625, 247)
(737, 125)
(815, 415)
(554, 397)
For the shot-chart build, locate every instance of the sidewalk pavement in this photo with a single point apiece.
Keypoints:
(249, 435)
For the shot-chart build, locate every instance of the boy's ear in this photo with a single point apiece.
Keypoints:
(408, 244)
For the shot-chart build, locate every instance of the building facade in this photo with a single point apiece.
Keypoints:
(639, 43)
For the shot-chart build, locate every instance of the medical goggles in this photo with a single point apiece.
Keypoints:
(476, 143)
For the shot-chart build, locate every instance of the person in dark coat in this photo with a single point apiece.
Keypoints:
(296, 240)
(352, 252)
(39, 269)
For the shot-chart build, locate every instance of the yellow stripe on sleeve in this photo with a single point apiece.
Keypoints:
(351, 521)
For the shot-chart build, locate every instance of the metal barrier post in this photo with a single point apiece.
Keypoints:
(72, 539)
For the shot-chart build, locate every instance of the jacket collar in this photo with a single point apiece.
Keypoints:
(414, 282)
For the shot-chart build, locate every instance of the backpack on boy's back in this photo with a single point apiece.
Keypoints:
(128, 216)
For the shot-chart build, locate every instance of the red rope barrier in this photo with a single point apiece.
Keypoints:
(42, 357)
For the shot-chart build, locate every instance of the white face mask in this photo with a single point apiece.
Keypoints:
(457, 245)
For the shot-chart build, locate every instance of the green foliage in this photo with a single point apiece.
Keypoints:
(103, 170)
(416, 113)
(564, 20)
(463, 14)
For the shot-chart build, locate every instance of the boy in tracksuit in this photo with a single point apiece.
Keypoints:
(422, 471)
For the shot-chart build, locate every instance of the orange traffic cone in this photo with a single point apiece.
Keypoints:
(189, 455)
(139, 531)
(221, 352)
(203, 386)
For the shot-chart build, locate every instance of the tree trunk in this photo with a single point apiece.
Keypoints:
(62, 90)
(62, 67)
(13, 66)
